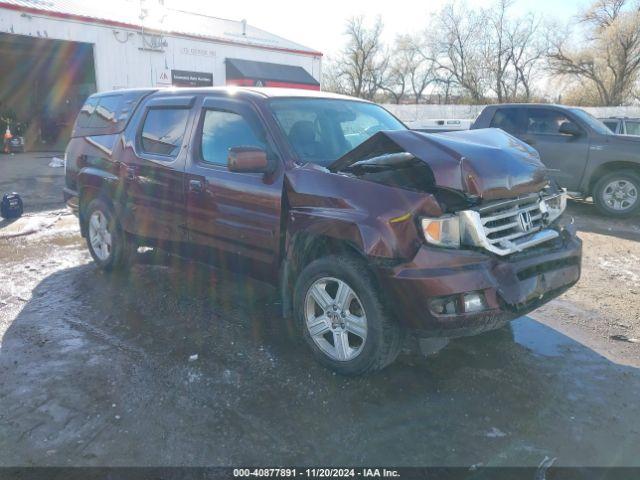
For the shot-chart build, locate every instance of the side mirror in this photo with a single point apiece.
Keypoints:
(569, 128)
(248, 160)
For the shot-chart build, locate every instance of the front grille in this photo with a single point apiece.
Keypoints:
(512, 226)
(506, 222)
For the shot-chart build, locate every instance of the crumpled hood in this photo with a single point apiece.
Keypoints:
(486, 163)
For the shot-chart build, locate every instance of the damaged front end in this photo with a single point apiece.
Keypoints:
(493, 188)
(463, 229)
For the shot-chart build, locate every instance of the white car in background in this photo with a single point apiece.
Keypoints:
(441, 125)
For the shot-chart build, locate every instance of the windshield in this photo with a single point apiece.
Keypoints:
(322, 130)
(592, 121)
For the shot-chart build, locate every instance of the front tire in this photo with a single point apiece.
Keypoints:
(108, 244)
(342, 317)
(617, 194)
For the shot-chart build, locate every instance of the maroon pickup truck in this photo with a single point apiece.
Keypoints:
(370, 230)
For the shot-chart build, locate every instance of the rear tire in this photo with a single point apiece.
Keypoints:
(342, 317)
(617, 194)
(108, 244)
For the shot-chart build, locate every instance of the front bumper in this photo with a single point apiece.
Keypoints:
(513, 286)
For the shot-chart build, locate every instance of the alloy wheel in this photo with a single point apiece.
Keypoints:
(620, 195)
(99, 235)
(335, 319)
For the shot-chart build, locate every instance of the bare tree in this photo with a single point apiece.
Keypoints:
(485, 53)
(527, 48)
(395, 82)
(513, 49)
(444, 86)
(608, 56)
(471, 54)
(419, 67)
(454, 38)
(409, 71)
(332, 78)
(361, 68)
(496, 48)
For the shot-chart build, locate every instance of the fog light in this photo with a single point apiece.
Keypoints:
(474, 302)
(445, 305)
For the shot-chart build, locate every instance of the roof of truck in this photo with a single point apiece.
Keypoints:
(265, 92)
(502, 105)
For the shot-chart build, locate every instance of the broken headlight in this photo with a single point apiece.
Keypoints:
(442, 231)
(553, 206)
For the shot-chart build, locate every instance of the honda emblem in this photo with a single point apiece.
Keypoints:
(525, 221)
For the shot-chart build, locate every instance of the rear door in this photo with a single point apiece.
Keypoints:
(232, 213)
(153, 168)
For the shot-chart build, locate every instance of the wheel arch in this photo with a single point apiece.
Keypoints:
(92, 184)
(611, 167)
(304, 248)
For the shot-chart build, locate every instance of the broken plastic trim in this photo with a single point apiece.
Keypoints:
(382, 162)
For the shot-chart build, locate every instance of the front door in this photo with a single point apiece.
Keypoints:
(565, 155)
(233, 214)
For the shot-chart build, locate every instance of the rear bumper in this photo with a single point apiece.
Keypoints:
(512, 286)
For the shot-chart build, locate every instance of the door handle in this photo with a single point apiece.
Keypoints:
(196, 186)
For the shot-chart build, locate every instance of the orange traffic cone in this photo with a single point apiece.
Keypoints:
(7, 140)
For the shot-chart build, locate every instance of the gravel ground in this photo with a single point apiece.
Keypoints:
(99, 369)
(30, 175)
(605, 304)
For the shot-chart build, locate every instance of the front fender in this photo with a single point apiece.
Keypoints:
(379, 220)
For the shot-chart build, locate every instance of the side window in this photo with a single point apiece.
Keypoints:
(633, 127)
(611, 125)
(542, 121)
(222, 130)
(84, 117)
(163, 131)
(507, 119)
(107, 114)
(106, 111)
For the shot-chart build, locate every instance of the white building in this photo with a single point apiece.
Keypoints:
(53, 53)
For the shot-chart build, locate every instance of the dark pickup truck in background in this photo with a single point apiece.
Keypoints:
(369, 229)
(583, 155)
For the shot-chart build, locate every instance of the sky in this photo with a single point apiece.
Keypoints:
(320, 24)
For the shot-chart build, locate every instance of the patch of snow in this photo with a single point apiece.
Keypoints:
(56, 162)
(495, 433)
(627, 267)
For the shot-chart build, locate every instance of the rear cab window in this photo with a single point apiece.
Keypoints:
(107, 114)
